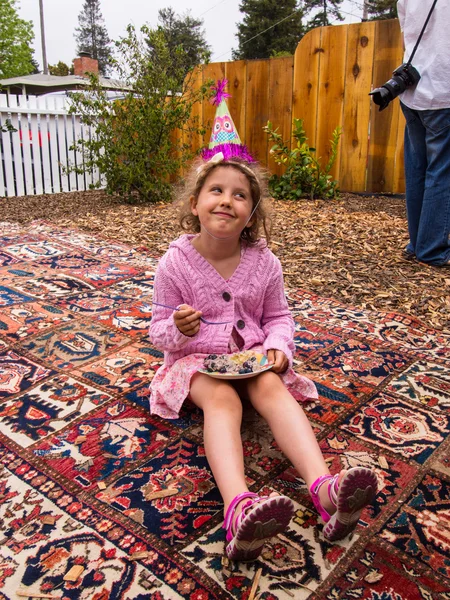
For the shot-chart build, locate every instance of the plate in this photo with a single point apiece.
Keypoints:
(262, 359)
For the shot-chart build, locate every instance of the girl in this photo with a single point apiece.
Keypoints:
(228, 293)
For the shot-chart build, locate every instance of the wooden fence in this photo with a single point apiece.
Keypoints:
(326, 83)
(34, 157)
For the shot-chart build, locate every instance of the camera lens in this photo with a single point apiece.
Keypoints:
(404, 76)
(381, 96)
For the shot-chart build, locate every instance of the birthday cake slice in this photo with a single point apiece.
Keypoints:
(238, 363)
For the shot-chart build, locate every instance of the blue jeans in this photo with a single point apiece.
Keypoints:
(427, 173)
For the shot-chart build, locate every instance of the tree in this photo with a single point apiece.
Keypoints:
(61, 69)
(16, 36)
(327, 10)
(382, 9)
(257, 35)
(92, 35)
(185, 32)
(139, 144)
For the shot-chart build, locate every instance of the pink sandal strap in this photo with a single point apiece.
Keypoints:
(228, 522)
(332, 494)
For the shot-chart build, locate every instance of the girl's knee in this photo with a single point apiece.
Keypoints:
(267, 383)
(224, 400)
(214, 395)
(269, 392)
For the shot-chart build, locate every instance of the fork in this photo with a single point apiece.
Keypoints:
(201, 318)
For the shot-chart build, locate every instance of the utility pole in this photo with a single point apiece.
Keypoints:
(44, 52)
(365, 14)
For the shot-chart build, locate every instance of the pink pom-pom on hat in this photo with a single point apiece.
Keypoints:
(224, 135)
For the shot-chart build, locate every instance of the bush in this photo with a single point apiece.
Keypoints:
(142, 140)
(303, 176)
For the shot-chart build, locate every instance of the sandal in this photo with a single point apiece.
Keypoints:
(357, 489)
(261, 518)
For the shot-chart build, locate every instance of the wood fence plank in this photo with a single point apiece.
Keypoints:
(399, 184)
(25, 142)
(331, 91)
(35, 146)
(353, 145)
(71, 158)
(7, 160)
(281, 82)
(62, 150)
(3, 161)
(306, 80)
(236, 73)
(76, 156)
(2, 176)
(45, 147)
(17, 161)
(195, 140)
(384, 125)
(54, 152)
(257, 113)
(214, 72)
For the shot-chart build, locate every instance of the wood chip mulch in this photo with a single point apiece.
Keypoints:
(350, 249)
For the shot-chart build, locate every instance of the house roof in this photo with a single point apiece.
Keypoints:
(43, 84)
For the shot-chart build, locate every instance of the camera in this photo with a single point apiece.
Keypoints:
(404, 76)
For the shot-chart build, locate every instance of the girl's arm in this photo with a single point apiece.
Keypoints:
(277, 322)
(163, 332)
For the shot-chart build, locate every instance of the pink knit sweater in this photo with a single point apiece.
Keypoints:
(252, 301)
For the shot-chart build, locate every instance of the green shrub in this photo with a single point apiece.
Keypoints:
(141, 141)
(303, 176)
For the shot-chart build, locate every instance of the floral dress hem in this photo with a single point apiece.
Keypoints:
(170, 385)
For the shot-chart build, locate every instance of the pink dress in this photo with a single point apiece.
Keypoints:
(170, 385)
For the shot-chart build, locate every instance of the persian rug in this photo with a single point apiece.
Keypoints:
(90, 479)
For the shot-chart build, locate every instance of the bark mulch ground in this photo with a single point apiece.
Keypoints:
(350, 249)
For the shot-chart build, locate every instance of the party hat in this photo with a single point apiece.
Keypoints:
(224, 136)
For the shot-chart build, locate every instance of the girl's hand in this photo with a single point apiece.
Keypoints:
(278, 359)
(187, 320)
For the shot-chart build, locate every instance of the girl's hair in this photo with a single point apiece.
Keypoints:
(257, 179)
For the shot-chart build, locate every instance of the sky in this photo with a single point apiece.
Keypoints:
(61, 19)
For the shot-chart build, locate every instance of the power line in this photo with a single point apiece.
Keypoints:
(265, 30)
(281, 21)
(215, 5)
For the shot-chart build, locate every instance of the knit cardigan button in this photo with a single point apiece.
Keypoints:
(240, 324)
(226, 296)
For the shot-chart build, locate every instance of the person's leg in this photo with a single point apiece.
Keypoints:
(338, 499)
(222, 410)
(249, 519)
(415, 158)
(433, 238)
(290, 427)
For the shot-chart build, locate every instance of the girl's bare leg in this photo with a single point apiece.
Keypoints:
(290, 427)
(222, 410)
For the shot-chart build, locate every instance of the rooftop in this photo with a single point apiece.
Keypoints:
(43, 84)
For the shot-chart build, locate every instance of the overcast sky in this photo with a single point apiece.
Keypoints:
(61, 18)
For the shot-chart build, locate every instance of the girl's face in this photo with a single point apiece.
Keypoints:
(224, 203)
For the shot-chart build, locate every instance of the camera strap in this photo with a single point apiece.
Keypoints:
(421, 33)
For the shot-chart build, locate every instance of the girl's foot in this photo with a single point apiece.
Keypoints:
(348, 493)
(249, 524)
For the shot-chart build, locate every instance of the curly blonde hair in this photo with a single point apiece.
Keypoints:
(257, 178)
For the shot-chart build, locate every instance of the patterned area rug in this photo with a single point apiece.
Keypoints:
(90, 479)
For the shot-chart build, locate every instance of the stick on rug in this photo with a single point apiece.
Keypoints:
(100, 500)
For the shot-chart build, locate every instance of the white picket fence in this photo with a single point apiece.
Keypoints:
(34, 157)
